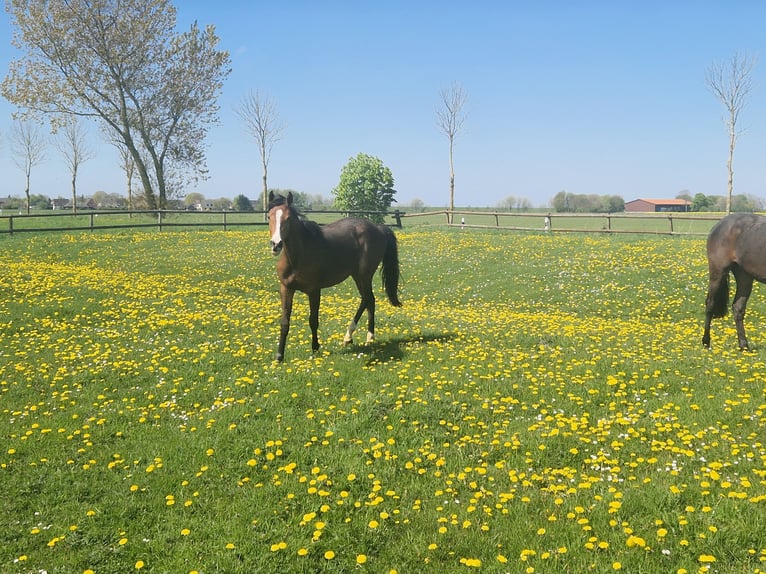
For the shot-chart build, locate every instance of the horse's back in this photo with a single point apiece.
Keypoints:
(739, 238)
(347, 247)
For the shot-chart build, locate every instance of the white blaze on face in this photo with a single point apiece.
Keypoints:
(276, 238)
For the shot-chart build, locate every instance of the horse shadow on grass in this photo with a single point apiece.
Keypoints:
(393, 348)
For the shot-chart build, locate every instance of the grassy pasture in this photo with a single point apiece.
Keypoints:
(541, 403)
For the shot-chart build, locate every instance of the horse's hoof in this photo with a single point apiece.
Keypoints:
(370, 338)
(347, 341)
(280, 357)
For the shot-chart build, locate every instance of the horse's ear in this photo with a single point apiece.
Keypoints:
(289, 198)
(271, 195)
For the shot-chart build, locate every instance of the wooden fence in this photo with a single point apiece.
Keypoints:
(646, 223)
(667, 223)
(93, 220)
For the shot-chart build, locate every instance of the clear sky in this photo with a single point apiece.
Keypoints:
(603, 97)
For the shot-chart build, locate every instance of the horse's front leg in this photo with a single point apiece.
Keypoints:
(314, 299)
(744, 288)
(286, 295)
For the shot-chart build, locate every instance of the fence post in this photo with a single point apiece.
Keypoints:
(670, 218)
(10, 225)
(91, 221)
(398, 217)
(159, 219)
(224, 221)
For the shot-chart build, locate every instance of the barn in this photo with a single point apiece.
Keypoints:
(657, 205)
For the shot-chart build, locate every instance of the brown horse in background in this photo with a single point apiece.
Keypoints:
(314, 257)
(737, 243)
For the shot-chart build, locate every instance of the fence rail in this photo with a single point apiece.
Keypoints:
(646, 223)
(664, 223)
(159, 219)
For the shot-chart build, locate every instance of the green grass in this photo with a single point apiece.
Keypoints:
(542, 402)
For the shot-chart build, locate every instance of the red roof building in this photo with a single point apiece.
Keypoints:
(657, 205)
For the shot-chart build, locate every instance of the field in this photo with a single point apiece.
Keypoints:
(541, 403)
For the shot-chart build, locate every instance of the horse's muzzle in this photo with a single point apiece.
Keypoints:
(276, 248)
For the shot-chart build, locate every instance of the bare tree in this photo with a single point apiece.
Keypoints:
(74, 148)
(450, 118)
(262, 122)
(124, 64)
(731, 84)
(27, 149)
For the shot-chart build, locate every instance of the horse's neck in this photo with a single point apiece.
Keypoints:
(295, 241)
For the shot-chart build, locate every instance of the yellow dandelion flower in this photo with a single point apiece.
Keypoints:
(329, 555)
(361, 559)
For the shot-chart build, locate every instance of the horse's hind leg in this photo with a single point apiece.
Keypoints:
(717, 300)
(314, 299)
(368, 303)
(741, 295)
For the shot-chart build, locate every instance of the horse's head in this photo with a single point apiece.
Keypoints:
(279, 211)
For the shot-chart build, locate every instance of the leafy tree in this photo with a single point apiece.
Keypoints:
(612, 204)
(39, 201)
(507, 203)
(700, 202)
(14, 203)
(417, 204)
(193, 198)
(122, 62)
(241, 203)
(560, 202)
(365, 185)
(564, 202)
(221, 204)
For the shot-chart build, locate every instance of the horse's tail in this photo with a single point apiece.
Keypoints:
(720, 297)
(390, 269)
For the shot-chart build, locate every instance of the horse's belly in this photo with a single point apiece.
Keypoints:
(308, 282)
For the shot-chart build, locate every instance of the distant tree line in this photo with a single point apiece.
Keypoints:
(565, 202)
(741, 202)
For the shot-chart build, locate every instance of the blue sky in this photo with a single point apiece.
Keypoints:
(603, 97)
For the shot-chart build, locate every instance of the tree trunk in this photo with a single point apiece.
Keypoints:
(265, 165)
(265, 195)
(729, 166)
(74, 191)
(451, 182)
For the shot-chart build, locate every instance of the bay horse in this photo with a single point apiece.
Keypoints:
(312, 257)
(737, 243)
